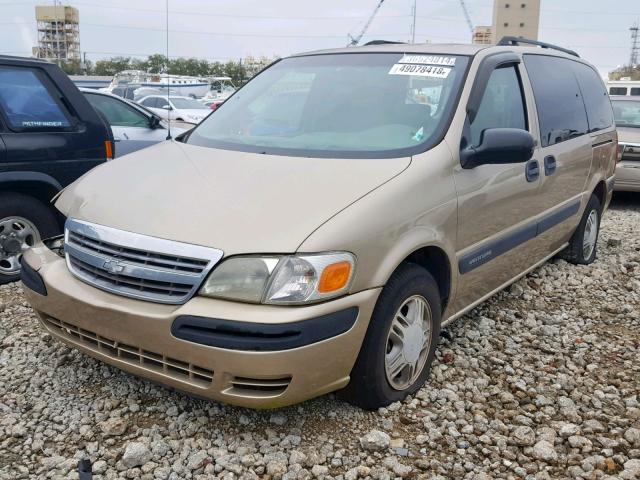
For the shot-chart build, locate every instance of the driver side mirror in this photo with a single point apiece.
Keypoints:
(154, 122)
(499, 146)
(167, 107)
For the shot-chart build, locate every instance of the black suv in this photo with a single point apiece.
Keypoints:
(49, 136)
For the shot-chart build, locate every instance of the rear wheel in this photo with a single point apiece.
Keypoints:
(24, 221)
(583, 244)
(400, 344)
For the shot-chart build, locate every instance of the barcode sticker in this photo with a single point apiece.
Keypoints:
(429, 60)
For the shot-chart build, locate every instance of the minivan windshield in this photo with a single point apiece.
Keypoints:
(352, 105)
(626, 113)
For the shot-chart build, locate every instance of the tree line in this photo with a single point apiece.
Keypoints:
(633, 72)
(239, 71)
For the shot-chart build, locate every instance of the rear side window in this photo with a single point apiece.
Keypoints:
(596, 100)
(617, 90)
(27, 99)
(561, 111)
(502, 104)
(635, 91)
(117, 113)
(149, 102)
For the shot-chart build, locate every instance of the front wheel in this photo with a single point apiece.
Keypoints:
(583, 244)
(23, 222)
(401, 340)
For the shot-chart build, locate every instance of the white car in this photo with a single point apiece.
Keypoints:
(134, 127)
(183, 109)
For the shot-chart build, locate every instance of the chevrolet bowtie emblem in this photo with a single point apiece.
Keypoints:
(113, 266)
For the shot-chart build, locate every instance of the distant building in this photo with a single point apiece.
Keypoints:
(482, 35)
(58, 33)
(516, 19)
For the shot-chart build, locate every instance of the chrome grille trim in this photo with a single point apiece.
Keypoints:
(148, 268)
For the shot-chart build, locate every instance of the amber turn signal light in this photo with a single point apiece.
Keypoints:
(334, 277)
(108, 149)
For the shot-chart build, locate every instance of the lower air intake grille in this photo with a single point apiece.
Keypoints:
(167, 366)
(258, 387)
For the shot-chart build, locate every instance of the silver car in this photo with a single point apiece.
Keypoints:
(133, 126)
(626, 110)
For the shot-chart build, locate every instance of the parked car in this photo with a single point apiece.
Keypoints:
(134, 127)
(183, 109)
(284, 249)
(49, 136)
(626, 110)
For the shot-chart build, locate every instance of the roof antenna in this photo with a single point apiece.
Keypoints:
(167, 73)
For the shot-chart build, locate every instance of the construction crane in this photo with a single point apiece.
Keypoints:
(353, 41)
(466, 15)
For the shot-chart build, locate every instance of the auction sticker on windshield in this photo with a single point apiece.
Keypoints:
(420, 70)
(429, 60)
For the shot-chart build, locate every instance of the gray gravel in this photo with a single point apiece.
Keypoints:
(542, 381)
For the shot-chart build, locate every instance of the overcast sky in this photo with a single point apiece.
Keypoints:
(224, 29)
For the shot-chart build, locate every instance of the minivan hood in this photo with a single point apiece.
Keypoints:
(235, 201)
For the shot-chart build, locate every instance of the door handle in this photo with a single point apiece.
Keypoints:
(549, 165)
(532, 170)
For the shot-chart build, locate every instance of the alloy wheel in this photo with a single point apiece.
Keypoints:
(590, 235)
(408, 342)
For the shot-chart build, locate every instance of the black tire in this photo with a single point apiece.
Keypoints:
(41, 216)
(575, 252)
(369, 387)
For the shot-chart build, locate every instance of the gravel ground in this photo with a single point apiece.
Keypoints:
(542, 381)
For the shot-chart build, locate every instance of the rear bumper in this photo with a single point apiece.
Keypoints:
(627, 176)
(137, 337)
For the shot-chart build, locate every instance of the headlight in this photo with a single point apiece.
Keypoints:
(294, 279)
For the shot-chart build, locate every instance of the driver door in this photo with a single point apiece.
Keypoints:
(496, 203)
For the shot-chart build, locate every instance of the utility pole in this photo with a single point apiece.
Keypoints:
(635, 47)
(413, 23)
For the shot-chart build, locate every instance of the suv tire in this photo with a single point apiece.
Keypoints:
(21, 214)
(583, 244)
(394, 337)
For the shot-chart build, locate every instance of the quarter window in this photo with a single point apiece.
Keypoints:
(150, 102)
(27, 103)
(635, 91)
(161, 102)
(596, 100)
(502, 105)
(561, 110)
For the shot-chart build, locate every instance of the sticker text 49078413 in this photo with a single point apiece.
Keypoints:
(420, 70)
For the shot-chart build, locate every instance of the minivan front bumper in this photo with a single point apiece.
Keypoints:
(306, 351)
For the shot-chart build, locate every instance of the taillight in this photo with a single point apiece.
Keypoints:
(108, 149)
(214, 106)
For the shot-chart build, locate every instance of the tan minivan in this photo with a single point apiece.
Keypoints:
(317, 231)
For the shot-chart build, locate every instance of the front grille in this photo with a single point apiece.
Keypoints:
(135, 265)
(161, 364)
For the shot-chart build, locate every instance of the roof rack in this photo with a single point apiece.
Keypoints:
(382, 42)
(515, 41)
